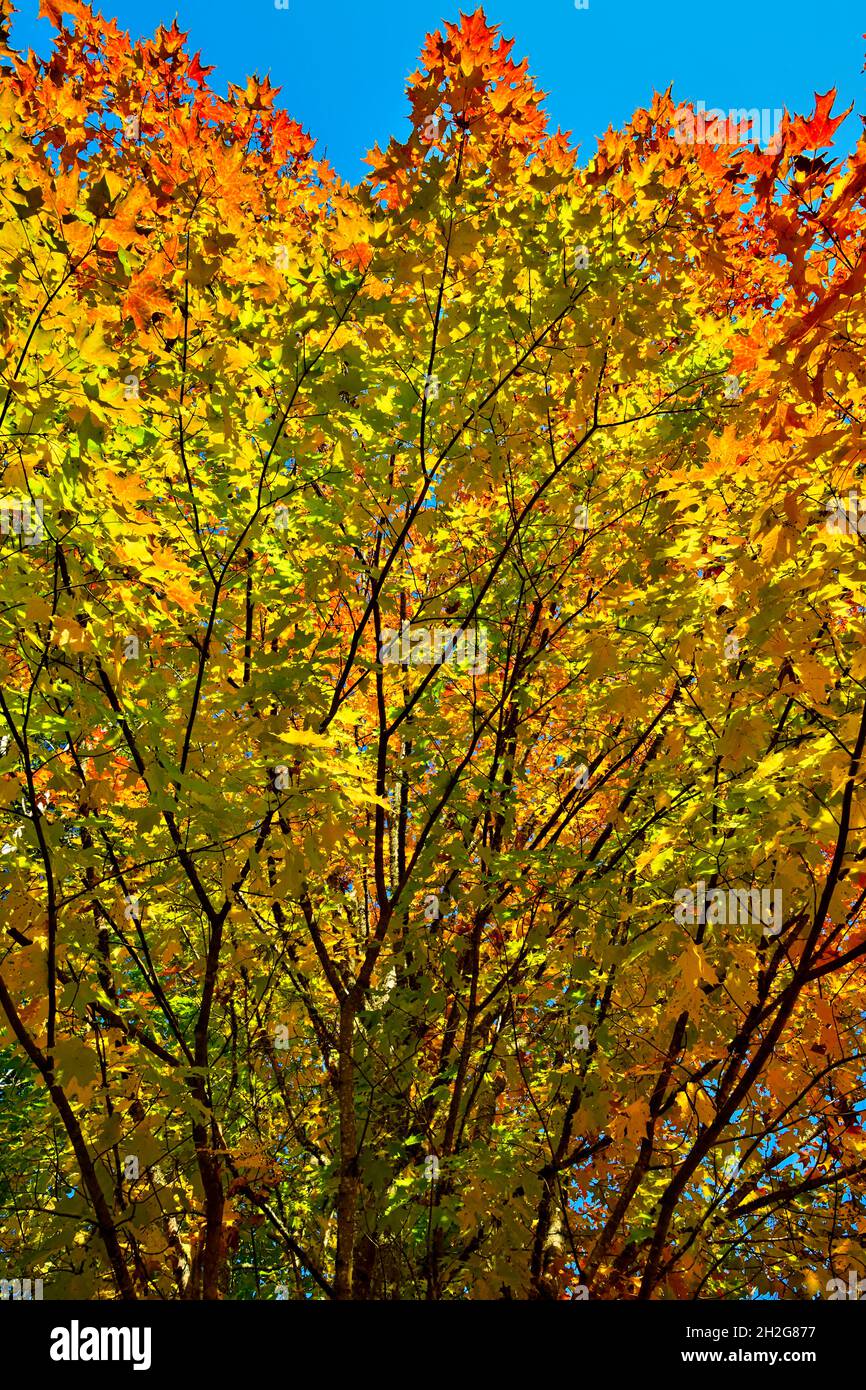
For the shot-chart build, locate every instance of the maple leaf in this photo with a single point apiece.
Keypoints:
(196, 71)
(54, 10)
(145, 297)
(169, 42)
(818, 129)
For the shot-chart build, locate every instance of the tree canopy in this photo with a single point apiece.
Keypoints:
(433, 692)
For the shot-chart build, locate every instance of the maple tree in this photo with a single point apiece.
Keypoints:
(336, 962)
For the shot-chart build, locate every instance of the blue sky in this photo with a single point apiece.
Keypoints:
(343, 64)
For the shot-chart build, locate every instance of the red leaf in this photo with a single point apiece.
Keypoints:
(196, 71)
(818, 129)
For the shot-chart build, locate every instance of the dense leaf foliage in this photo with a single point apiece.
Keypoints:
(419, 618)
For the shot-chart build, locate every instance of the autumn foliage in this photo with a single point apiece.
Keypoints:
(340, 976)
